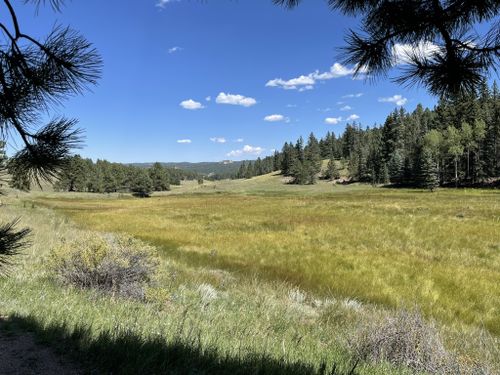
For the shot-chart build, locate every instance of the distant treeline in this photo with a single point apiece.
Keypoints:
(83, 175)
(458, 142)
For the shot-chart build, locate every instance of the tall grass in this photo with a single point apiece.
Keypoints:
(393, 248)
(254, 283)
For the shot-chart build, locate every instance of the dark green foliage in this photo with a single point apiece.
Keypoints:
(332, 173)
(159, 177)
(427, 177)
(461, 56)
(82, 175)
(141, 184)
(11, 242)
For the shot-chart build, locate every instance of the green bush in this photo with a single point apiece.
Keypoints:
(117, 264)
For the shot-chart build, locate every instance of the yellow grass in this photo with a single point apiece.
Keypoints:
(439, 251)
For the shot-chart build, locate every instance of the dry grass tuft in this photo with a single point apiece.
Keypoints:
(407, 339)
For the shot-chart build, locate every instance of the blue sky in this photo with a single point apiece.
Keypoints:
(189, 80)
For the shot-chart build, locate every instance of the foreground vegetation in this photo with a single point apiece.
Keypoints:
(257, 276)
(384, 246)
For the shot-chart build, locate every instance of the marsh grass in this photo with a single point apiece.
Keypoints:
(393, 248)
(236, 290)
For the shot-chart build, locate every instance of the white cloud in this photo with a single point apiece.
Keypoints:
(333, 120)
(246, 150)
(183, 141)
(402, 53)
(307, 82)
(275, 118)
(291, 105)
(346, 108)
(244, 101)
(358, 95)
(397, 99)
(175, 49)
(239, 140)
(218, 139)
(208, 98)
(353, 117)
(163, 3)
(191, 105)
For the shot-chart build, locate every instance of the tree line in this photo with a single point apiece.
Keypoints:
(456, 143)
(83, 175)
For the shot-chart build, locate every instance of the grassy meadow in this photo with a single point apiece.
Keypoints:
(256, 275)
(390, 247)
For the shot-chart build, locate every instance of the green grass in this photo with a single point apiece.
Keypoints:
(249, 327)
(395, 248)
(255, 242)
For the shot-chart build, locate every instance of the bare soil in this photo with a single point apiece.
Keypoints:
(20, 354)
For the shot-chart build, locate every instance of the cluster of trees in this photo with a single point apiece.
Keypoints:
(458, 142)
(83, 175)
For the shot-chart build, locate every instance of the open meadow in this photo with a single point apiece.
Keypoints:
(257, 269)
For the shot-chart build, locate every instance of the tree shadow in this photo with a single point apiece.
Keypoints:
(126, 353)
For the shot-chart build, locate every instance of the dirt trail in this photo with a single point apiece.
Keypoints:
(21, 355)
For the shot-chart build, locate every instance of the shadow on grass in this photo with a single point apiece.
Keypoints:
(126, 353)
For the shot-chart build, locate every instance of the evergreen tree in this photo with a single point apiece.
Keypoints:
(141, 184)
(332, 173)
(312, 159)
(159, 178)
(396, 165)
(428, 173)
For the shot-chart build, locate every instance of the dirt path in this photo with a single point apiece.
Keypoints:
(20, 355)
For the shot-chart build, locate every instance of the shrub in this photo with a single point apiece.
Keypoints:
(404, 339)
(114, 263)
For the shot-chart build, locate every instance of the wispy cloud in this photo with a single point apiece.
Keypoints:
(276, 118)
(346, 108)
(241, 100)
(307, 82)
(333, 120)
(399, 100)
(353, 117)
(208, 98)
(183, 141)
(175, 49)
(358, 95)
(218, 139)
(246, 150)
(239, 140)
(191, 105)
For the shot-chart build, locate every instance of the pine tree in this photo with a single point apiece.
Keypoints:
(332, 173)
(159, 177)
(141, 184)
(312, 159)
(428, 174)
(396, 165)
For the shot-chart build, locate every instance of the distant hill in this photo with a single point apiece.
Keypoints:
(224, 168)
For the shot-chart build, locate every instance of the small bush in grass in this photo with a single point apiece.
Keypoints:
(404, 339)
(118, 264)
